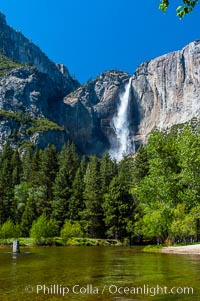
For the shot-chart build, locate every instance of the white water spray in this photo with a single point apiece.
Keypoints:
(124, 144)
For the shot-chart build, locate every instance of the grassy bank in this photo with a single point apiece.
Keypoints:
(57, 241)
(153, 248)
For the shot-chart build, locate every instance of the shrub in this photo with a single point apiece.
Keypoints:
(43, 230)
(70, 230)
(10, 230)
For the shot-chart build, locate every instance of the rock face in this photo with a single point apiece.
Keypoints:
(14, 45)
(29, 106)
(87, 112)
(166, 90)
(30, 94)
(28, 90)
(41, 103)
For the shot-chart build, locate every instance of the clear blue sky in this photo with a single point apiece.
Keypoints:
(91, 36)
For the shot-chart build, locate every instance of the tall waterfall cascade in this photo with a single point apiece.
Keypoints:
(124, 143)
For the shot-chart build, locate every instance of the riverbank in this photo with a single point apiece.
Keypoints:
(57, 241)
(190, 249)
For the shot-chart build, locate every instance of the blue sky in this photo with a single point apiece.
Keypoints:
(92, 36)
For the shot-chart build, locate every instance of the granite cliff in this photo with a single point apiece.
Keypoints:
(88, 111)
(14, 45)
(41, 103)
(166, 90)
(31, 91)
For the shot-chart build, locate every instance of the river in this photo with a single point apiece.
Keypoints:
(97, 273)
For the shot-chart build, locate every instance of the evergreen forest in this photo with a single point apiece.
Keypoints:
(153, 195)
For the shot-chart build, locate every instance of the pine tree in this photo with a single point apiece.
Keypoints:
(49, 168)
(76, 203)
(17, 168)
(62, 189)
(35, 175)
(126, 172)
(83, 164)
(6, 184)
(140, 164)
(93, 213)
(118, 210)
(26, 165)
(107, 171)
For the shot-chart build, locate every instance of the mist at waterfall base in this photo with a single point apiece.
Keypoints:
(123, 144)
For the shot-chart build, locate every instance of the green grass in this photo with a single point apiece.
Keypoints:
(23, 241)
(153, 248)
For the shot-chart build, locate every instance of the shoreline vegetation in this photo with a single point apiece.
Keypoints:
(191, 249)
(57, 241)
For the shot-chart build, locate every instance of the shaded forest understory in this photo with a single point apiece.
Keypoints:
(153, 195)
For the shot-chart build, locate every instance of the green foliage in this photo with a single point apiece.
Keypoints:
(43, 125)
(28, 124)
(108, 169)
(9, 230)
(70, 230)
(48, 170)
(7, 65)
(62, 189)
(153, 248)
(118, 210)
(154, 195)
(28, 216)
(43, 229)
(76, 200)
(185, 8)
(169, 193)
(6, 184)
(92, 215)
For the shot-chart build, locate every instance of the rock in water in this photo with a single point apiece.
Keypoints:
(16, 248)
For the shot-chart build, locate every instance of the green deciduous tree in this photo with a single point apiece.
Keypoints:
(183, 226)
(185, 7)
(70, 230)
(43, 229)
(188, 145)
(28, 216)
(9, 230)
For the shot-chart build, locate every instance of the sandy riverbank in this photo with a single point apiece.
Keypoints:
(191, 249)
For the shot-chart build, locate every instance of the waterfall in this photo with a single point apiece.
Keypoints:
(124, 143)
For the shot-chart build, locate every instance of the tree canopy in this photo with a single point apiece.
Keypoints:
(185, 7)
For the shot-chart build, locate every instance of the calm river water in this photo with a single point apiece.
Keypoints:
(97, 273)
